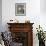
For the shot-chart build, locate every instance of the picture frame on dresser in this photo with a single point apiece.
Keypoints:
(20, 9)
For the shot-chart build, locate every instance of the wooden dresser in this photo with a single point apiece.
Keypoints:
(22, 33)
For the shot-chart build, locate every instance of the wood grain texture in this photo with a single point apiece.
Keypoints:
(23, 27)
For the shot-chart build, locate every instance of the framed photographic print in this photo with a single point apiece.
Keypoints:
(20, 9)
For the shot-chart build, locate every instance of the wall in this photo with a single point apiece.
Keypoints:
(0, 15)
(43, 14)
(43, 6)
(33, 13)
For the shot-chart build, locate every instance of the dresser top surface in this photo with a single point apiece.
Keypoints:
(19, 23)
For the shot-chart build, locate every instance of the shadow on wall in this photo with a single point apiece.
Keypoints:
(43, 6)
(0, 15)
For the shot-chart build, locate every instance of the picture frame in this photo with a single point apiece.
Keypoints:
(20, 9)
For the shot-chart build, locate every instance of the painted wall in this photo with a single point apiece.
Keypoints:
(43, 6)
(33, 13)
(0, 15)
(43, 14)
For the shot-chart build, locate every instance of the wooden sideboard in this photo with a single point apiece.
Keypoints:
(22, 33)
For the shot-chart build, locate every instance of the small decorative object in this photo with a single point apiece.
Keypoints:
(11, 20)
(27, 21)
(20, 9)
(41, 36)
(14, 21)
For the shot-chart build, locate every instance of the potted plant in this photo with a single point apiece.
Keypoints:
(41, 36)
